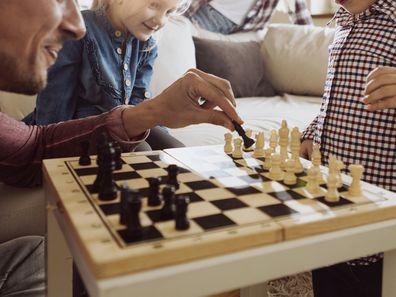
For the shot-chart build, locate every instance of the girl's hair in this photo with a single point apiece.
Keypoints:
(183, 6)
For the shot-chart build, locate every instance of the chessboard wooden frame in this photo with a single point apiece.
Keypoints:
(106, 259)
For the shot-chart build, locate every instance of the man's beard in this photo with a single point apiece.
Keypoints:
(12, 79)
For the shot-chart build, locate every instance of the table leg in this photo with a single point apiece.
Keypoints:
(389, 274)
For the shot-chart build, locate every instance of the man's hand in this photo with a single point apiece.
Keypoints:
(195, 98)
(306, 149)
(380, 92)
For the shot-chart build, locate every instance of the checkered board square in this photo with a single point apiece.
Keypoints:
(234, 205)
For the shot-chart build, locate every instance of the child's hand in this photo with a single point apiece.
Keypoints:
(306, 149)
(380, 92)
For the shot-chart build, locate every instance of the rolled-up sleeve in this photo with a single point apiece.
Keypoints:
(23, 147)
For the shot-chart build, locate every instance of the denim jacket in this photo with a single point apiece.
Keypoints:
(93, 75)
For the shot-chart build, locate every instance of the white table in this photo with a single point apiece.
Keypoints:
(247, 269)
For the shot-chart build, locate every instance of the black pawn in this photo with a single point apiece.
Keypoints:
(181, 220)
(173, 170)
(123, 203)
(84, 158)
(134, 205)
(117, 157)
(168, 210)
(247, 142)
(101, 146)
(107, 188)
(153, 196)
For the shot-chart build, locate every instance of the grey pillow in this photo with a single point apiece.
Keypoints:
(240, 63)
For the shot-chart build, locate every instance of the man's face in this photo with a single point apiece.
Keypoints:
(32, 33)
(355, 6)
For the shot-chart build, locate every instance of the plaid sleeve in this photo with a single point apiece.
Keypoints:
(309, 132)
(301, 15)
(194, 6)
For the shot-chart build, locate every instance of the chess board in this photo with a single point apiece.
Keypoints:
(234, 205)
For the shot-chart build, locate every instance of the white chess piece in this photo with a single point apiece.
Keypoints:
(332, 194)
(313, 184)
(259, 148)
(283, 142)
(295, 145)
(275, 172)
(237, 152)
(228, 143)
(273, 142)
(316, 158)
(289, 177)
(356, 172)
(340, 166)
(267, 161)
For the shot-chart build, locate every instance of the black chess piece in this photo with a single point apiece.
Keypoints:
(134, 205)
(168, 209)
(247, 142)
(107, 188)
(181, 220)
(124, 189)
(153, 195)
(101, 145)
(173, 170)
(84, 158)
(117, 157)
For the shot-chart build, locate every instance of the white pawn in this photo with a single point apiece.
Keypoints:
(237, 152)
(295, 145)
(228, 143)
(332, 194)
(259, 148)
(356, 172)
(340, 166)
(267, 161)
(283, 142)
(273, 142)
(316, 158)
(289, 177)
(276, 172)
(313, 184)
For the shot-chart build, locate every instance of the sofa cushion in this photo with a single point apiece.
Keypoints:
(295, 58)
(238, 62)
(176, 53)
(16, 105)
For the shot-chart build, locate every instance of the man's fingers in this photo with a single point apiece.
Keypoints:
(223, 85)
(204, 89)
(216, 117)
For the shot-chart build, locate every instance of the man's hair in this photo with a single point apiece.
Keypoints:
(183, 6)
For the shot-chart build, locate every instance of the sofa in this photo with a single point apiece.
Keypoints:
(294, 59)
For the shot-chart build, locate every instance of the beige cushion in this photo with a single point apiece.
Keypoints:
(176, 53)
(295, 58)
(16, 105)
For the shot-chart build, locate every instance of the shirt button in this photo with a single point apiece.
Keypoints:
(117, 33)
(119, 51)
(125, 66)
(128, 83)
(147, 94)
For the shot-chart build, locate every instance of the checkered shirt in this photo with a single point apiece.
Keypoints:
(261, 12)
(344, 127)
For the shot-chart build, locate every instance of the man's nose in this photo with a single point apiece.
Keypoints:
(72, 25)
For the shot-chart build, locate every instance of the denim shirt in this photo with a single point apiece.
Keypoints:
(93, 75)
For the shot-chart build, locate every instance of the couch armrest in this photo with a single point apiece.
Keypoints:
(22, 212)
(16, 105)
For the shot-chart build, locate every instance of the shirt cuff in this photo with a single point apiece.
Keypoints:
(116, 129)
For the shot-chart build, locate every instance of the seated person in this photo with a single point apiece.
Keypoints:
(230, 16)
(112, 65)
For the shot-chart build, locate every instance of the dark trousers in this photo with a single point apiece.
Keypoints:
(159, 139)
(343, 280)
